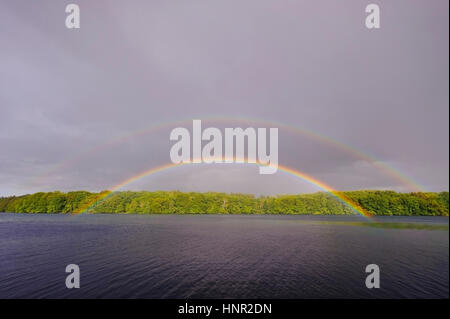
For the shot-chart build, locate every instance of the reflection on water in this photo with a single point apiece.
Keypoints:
(223, 256)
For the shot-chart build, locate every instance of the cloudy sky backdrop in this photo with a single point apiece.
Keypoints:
(88, 108)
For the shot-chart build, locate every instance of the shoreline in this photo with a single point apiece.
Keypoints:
(366, 203)
(220, 214)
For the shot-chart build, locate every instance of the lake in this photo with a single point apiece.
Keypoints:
(222, 256)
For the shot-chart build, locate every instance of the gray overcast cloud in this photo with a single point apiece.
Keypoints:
(68, 96)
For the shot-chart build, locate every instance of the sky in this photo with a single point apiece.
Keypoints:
(356, 108)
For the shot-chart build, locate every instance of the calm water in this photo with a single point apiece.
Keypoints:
(198, 256)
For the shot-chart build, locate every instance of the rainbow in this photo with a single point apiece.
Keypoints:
(357, 208)
(393, 173)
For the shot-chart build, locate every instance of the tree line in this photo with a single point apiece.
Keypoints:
(175, 202)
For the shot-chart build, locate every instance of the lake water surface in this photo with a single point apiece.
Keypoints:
(222, 256)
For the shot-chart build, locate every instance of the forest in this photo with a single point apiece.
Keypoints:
(174, 202)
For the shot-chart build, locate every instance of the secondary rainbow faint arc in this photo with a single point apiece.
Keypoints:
(285, 169)
(323, 139)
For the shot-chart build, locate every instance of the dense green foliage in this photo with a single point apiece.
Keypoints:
(374, 202)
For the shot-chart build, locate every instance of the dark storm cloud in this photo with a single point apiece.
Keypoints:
(308, 64)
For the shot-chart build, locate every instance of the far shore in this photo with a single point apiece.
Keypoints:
(367, 203)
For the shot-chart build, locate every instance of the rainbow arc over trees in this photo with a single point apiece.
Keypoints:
(338, 195)
(380, 165)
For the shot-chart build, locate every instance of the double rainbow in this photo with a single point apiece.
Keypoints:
(380, 165)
